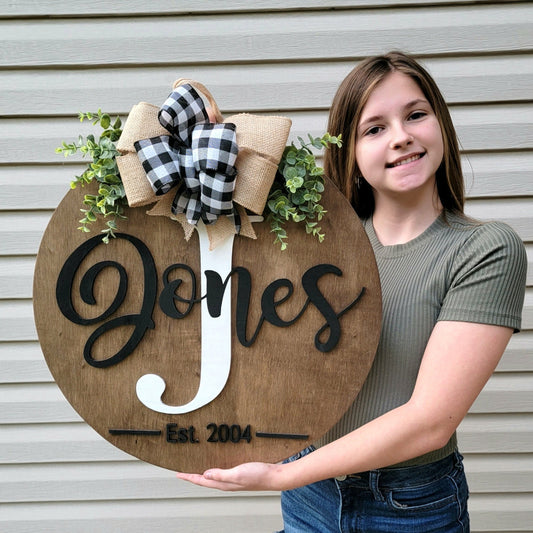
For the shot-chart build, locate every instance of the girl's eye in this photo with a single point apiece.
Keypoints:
(416, 115)
(373, 131)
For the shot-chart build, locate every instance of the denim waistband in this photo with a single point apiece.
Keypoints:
(390, 477)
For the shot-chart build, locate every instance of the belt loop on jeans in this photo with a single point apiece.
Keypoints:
(373, 482)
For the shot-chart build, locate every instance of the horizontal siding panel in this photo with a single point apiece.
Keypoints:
(506, 393)
(126, 480)
(497, 174)
(235, 514)
(35, 403)
(23, 362)
(501, 513)
(496, 433)
(249, 88)
(462, 78)
(180, 7)
(496, 127)
(479, 127)
(516, 212)
(32, 187)
(36, 187)
(518, 356)
(490, 473)
(54, 443)
(16, 277)
(16, 321)
(21, 234)
(287, 36)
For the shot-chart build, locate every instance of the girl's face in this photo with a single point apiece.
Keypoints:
(399, 144)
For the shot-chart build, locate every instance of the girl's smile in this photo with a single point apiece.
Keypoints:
(405, 160)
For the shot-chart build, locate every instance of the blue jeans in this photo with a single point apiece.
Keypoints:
(418, 499)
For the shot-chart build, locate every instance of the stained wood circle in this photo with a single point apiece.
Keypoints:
(282, 393)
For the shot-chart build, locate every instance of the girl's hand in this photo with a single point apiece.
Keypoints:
(248, 476)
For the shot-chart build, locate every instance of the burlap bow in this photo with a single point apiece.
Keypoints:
(260, 139)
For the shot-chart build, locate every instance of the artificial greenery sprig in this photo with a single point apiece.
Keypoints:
(110, 200)
(298, 188)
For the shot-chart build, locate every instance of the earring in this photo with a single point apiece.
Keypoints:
(359, 181)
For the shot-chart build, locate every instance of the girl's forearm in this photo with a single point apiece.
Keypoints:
(396, 436)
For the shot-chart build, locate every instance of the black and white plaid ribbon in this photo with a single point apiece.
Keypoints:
(198, 158)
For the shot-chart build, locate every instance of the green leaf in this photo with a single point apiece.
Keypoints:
(301, 170)
(290, 173)
(105, 121)
(290, 158)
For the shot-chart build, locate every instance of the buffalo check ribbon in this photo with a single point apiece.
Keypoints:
(197, 158)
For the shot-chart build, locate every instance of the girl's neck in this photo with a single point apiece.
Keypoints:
(395, 223)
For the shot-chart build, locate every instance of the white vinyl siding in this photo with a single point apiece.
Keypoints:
(284, 57)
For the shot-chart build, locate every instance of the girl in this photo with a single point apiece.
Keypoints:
(452, 291)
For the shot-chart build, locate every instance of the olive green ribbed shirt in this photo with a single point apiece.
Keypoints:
(457, 269)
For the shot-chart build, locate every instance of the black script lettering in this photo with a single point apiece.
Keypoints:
(215, 292)
(141, 321)
(216, 289)
(310, 285)
(168, 296)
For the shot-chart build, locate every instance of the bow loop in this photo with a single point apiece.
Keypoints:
(215, 148)
(162, 160)
(182, 111)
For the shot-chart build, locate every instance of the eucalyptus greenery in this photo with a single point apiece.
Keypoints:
(297, 189)
(110, 200)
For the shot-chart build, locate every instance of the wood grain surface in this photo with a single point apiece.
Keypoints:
(281, 384)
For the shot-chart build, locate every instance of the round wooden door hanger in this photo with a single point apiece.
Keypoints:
(189, 358)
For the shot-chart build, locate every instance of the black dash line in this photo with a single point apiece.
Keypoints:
(281, 436)
(135, 431)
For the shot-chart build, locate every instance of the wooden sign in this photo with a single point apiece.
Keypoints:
(190, 359)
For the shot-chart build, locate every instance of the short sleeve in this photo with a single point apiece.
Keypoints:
(487, 280)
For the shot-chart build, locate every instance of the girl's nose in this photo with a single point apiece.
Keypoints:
(400, 137)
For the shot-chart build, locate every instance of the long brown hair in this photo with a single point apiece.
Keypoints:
(353, 93)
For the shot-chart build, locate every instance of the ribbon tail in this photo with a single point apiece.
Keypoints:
(225, 226)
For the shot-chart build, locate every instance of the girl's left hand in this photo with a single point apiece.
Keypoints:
(248, 476)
